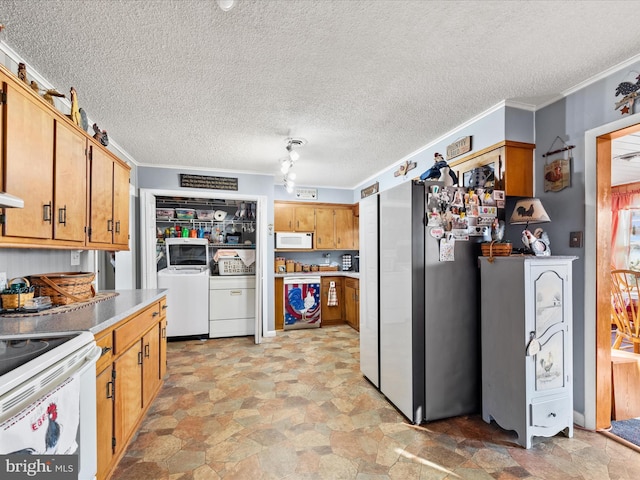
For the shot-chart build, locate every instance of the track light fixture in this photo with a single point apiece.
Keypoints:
(287, 163)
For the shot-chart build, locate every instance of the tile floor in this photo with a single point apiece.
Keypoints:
(297, 407)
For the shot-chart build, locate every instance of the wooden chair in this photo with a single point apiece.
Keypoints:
(625, 292)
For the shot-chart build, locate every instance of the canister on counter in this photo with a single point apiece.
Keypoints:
(279, 265)
(290, 266)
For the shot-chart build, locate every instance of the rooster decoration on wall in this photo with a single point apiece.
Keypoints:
(629, 92)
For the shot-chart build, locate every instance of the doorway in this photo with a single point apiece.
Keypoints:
(602, 254)
(148, 244)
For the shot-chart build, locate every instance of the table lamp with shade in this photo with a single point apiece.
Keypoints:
(530, 210)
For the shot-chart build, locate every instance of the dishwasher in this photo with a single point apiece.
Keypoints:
(48, 404)
(301, 302)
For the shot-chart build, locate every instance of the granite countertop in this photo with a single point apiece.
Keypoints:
(334, 273)
(94, 318)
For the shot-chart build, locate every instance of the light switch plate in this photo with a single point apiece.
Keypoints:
(75, 257)
(575, 240)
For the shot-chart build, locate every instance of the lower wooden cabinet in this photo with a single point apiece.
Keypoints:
(331, 315)
(104, 407)
(352, 302)
(129, 376)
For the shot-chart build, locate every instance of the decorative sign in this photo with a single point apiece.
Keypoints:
(459, 147)
(404, 168)
(370, 190)
(206, 181)
(307, 193)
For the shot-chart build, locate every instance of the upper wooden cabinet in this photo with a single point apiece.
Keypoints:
(44, 162)
(510, 164)
(70, 187)
(289, 217)
(334, 225)
(49, 172)
(334, 228)
(109, 199)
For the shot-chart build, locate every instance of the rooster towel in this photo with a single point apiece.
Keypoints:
(46, 427)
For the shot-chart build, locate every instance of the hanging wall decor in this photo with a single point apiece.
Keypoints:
(557, 173)
(629, 92)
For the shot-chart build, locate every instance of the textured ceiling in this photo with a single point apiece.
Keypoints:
(365, 82)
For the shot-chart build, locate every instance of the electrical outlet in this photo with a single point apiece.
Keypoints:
(75, 257)
(3, 280)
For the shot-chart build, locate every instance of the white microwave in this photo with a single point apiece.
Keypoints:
(294, 240)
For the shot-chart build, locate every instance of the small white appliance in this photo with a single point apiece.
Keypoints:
(294, 240)
(187, 280)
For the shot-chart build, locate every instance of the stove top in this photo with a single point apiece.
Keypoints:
(18, 351)
(24, 355)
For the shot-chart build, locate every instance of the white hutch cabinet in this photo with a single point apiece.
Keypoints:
(526, 331)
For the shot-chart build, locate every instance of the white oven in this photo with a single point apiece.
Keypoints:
(48, 398)
(294, 240)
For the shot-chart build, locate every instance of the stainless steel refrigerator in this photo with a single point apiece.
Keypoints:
(428, 321)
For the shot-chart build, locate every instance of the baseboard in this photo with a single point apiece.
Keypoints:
(269, 333)
(578, 419)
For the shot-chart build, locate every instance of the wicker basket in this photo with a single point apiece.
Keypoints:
(494, 249)
(65, 287)
(12, 301)
(235, 266)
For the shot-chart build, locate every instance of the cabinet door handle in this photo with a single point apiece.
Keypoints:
(118, 226)
(552, 414)
(105, 350)
(110, 389)
(46, 212)
(139, 358)
(164, 332)
(62, 215)
(109, 225)
(155, 314)
(146, 351)
(235, 292)
(164, 307)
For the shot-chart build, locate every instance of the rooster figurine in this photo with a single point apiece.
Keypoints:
(625, 88)
(538, 242)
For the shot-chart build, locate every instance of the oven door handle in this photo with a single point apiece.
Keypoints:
(90, 360)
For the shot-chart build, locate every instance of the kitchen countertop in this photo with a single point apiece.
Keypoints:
(334, 273)
(94, 318)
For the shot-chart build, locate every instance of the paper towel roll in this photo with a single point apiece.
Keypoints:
(220, 215)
